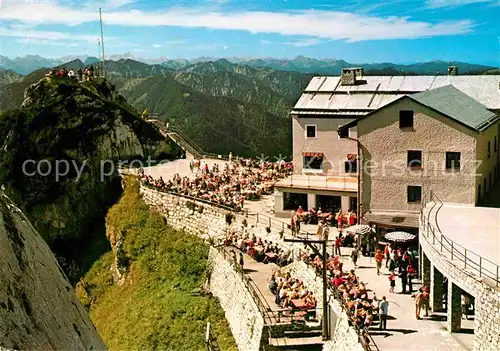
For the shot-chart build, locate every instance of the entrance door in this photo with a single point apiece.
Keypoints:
(328, 203)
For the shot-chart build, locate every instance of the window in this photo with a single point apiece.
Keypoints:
(405, 119)
(495, 147)
(313, 162)
(491, 183)
(310, 131)
(452, 160)
(292, 201)
(415, 159)
(489, 149)
(344, 133)
(484, 185)
(351, 166)
(414, 193)
(479, 192)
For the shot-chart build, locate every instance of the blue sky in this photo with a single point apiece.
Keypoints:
(358, 31)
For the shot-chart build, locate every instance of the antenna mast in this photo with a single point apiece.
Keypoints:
(102, 44)
(100, 57)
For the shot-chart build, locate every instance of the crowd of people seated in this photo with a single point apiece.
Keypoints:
(264, 251)
(360, 302)
(291, 293)
(230, 186)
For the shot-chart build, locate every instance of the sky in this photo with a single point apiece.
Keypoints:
(358, 31)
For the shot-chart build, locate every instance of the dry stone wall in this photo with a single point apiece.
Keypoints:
(487, 297)
(242, 312)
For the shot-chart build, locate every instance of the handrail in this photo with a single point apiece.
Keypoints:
(198, 151)
(454, 251)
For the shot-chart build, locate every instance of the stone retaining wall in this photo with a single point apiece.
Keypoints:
(242, 312)
(487, 297)
(343, 336)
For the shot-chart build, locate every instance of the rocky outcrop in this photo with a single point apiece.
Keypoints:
(74, 135)
(38, 307)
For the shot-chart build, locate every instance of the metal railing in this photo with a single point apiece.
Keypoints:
(320, 181)
(460, 256)
(181, 138)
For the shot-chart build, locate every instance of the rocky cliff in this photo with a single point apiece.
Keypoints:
(59, 156)
(38, 307)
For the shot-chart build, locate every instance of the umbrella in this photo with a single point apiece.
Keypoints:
(360, 229)
(399, 236)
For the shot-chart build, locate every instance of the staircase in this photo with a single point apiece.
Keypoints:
(185, 143)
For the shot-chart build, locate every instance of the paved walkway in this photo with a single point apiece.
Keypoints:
(404, 331)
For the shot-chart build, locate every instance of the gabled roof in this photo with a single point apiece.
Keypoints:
(327, 95)
(455, 104)
(450, 102)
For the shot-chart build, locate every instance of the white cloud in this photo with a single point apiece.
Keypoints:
(434, 4)
(157, 45)
(47, 35)
(305, 42)
(320, 24)
(46, 42)
(265, 42)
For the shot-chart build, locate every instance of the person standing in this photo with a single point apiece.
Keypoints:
(465, 305)
(403, 275)
(379, 258)
(354, 257)
(383, 308)
(392, 282)
(387, 253)
(411, 275)
(418, 296)
(337, 246)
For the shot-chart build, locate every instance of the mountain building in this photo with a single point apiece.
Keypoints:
(341, 122)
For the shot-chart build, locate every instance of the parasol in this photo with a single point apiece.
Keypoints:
(399, 236)
(360, 229)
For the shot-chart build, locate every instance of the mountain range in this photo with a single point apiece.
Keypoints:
(30, 63)
(223, 105)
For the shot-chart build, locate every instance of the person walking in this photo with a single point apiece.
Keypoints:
(354, 257)
(383, 310)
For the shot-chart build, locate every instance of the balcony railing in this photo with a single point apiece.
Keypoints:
(337, 183)
(459, 255)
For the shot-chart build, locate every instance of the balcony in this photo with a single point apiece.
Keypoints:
(317, 182)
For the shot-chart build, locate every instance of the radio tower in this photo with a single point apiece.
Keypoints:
(102, 44)
(99, 69)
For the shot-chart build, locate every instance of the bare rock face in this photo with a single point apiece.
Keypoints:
(38, 307)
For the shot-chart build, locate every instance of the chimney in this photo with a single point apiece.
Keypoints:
(452, 70)
(351, 75)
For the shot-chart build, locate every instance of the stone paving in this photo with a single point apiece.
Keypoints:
(404, 331)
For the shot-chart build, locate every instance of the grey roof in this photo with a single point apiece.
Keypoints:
(327, 94)
(455, 104)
